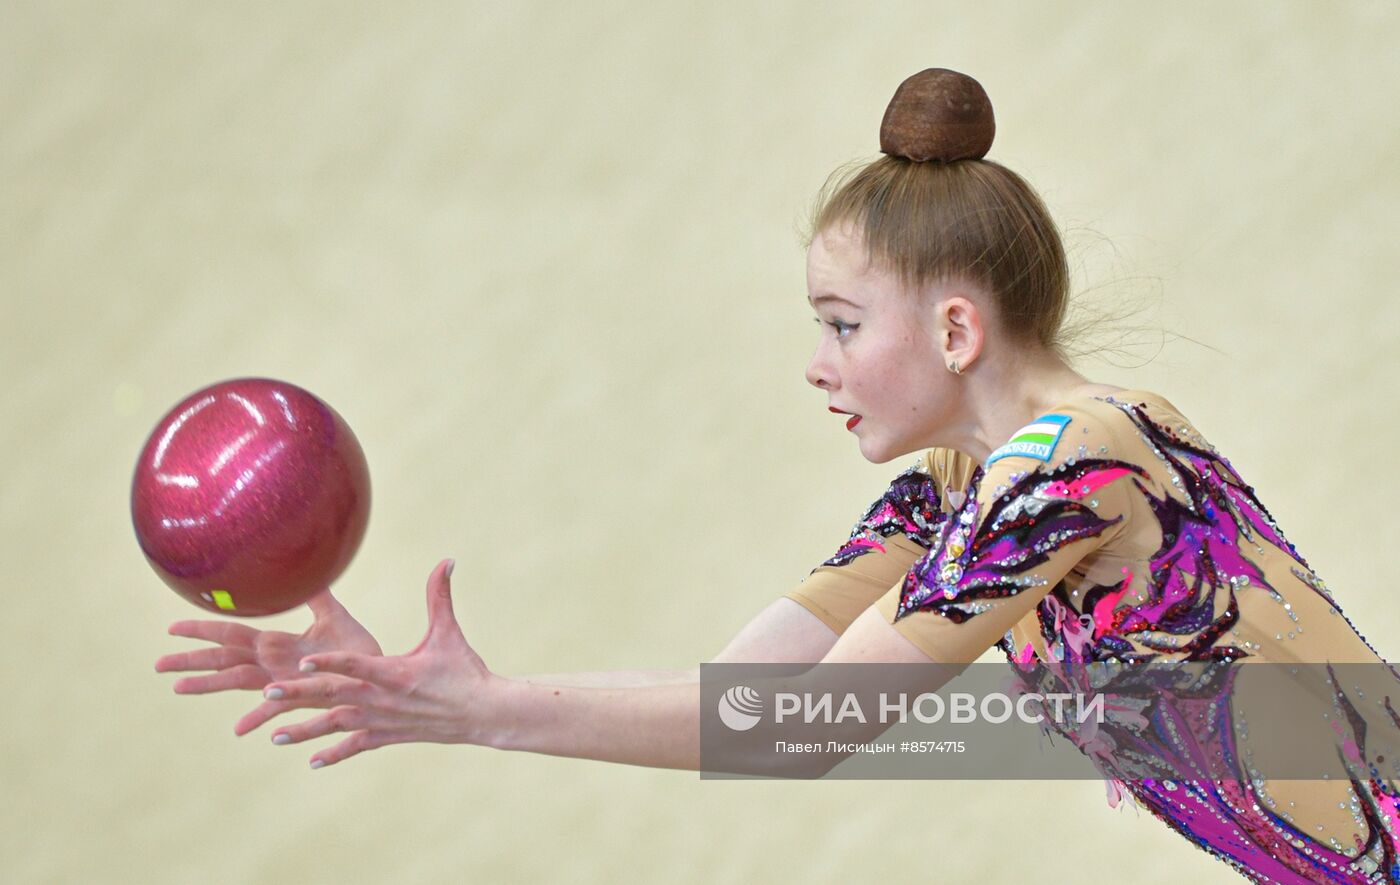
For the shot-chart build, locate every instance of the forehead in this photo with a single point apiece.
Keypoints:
(837, 264)
(837, 251)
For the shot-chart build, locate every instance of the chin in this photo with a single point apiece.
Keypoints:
(876, 453)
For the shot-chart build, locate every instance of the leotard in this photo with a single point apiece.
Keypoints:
(1110, 530)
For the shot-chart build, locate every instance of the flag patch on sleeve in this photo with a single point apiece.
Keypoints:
(1035, 440)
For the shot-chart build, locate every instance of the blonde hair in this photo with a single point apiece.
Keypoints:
(972, 219)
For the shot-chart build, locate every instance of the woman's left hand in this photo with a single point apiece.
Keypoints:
(437, 692)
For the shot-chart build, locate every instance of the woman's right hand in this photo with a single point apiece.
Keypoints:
(247, 658)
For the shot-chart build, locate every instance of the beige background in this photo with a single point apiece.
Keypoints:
(543, 259)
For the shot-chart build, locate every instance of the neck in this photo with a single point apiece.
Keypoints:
(1001, 398)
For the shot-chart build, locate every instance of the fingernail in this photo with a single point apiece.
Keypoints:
(317, 763)
(307, 666)
(451, 564)
(273, 694)
(282, 738)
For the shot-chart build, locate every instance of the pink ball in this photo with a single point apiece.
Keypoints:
(250, 496)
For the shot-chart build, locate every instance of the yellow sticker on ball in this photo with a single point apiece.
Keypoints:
(222, 599)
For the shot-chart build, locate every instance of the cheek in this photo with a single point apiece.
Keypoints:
(914, 385)
(894, 379)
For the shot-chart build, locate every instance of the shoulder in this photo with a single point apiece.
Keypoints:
(1085, 428)
(1084, 449)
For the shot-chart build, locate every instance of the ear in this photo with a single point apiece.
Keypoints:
(961, 331)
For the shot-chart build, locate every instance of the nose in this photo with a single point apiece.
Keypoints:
(819, 372)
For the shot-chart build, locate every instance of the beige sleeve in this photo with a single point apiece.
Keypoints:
(838, 594)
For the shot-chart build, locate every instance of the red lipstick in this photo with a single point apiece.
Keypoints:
(855, 419)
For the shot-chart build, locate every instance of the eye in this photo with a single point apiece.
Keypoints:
(843, 329)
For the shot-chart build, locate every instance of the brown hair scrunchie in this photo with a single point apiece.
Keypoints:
(938, 114)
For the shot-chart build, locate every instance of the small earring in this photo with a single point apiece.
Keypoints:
(953, 367)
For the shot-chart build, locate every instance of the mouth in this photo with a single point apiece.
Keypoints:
(852, 422)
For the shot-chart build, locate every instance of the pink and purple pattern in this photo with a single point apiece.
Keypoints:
(1209, 530)
(909, 506)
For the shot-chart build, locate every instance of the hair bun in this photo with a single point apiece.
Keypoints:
(938, 114)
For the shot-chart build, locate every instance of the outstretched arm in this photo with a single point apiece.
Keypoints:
(443, 692)
(802, 627)
(658, 726)
(247, 658)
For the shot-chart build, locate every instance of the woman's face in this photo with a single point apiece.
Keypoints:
(879, 356)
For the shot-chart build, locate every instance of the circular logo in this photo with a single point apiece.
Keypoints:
(740, 707)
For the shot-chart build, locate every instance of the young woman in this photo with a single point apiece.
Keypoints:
(1059, 519)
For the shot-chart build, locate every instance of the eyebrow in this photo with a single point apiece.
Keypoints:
(821, 298)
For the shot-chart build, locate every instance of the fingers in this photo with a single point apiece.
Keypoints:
(442, 621)
(219, 658)
(353, 745)
(272, 708)
(371, 668)
(317, 691)
(324, 605)
(242, 676)
(260, 714)
(222, 632)
(338, 719)
(341, 718)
